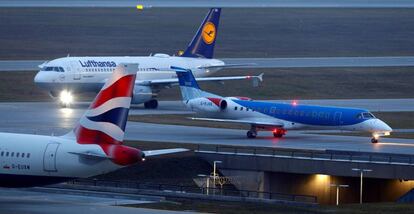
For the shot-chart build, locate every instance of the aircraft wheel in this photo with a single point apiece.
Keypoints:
(152, 104)
(277, 135)
(251, 134)
(374, 140)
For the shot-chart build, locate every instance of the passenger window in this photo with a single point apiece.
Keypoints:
(17, 155)
(235, 107)
(12, 154)
(7, 154)
(28, 155)
(241, 108)
(22, 155)
(2, 153)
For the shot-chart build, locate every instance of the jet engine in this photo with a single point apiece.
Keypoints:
(141, 94)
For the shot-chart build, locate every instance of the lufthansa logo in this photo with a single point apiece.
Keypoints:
(209, 33)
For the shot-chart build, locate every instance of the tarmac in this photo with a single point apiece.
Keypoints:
(48, 119)
(35, 200)
(295, 62)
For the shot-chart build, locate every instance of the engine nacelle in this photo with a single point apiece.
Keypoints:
(207, 104)
(141, 94)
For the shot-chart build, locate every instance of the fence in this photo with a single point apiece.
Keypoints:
(197, 190)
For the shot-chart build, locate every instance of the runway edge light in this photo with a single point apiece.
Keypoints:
(140, 6)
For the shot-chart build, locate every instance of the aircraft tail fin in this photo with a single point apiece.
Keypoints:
(105, 120)
(202, 44)
(188, 84)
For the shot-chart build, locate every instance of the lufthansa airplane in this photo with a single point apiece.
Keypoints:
(275, 117)
(93, 147)
(64, 76)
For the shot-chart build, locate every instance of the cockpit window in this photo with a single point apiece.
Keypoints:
(365, 115)
(56, 69)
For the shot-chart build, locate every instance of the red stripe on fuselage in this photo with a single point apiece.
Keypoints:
(121, 88)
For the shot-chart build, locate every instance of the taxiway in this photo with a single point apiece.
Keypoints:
(48, 119)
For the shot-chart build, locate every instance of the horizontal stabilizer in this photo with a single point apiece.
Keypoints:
(90, 155)
(150, 153)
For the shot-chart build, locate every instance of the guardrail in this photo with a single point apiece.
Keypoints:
(197, 190)
(332, 155)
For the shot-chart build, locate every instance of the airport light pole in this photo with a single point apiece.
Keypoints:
(361, 171)
(214, 172)
(337, 190)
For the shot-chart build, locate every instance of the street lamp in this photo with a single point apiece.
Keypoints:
(361, 178)
(214, 172)
(337, 190)
(207, 181)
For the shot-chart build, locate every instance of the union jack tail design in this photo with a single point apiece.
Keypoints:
(105, 120)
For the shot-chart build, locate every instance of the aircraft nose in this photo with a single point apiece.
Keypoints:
(39, 77)
(381, 126)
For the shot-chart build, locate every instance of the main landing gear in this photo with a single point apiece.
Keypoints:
(152, 104)
(277, 133)
(374, 140)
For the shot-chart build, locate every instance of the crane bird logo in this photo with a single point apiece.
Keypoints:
(209, 33)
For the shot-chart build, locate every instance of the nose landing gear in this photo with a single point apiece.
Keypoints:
(376, 136)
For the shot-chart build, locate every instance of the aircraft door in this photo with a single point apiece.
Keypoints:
(49, 158)
(76, 71)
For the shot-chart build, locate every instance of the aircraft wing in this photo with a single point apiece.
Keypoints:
(251, 122)
(174, 81)
(240, 65)
(150, 153)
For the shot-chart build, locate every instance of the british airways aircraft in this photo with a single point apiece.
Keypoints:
(93, 147)
(63, 77)
(275, 117)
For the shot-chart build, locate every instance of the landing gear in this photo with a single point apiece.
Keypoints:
(374, 140)
(251, 134)
(278, 133)
(152, 104)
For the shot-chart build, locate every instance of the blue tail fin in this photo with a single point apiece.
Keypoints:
(189, 86)
(203, 42)
(185, 77)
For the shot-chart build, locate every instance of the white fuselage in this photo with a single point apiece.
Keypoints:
(23, 155)
(82, 74)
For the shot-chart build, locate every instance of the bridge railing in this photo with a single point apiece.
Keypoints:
(333, 155)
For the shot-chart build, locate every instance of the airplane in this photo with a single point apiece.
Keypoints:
(93, 147)
(274, 117)
(65, 76)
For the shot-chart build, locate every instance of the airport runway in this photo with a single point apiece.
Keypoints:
(297, 62)
(48, 119)
(22, 201)
(216, 3)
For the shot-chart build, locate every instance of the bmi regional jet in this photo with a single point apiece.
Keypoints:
(64, 76)
(93, 147)
(275, 117)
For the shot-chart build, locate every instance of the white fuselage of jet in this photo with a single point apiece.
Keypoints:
(83, 74)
